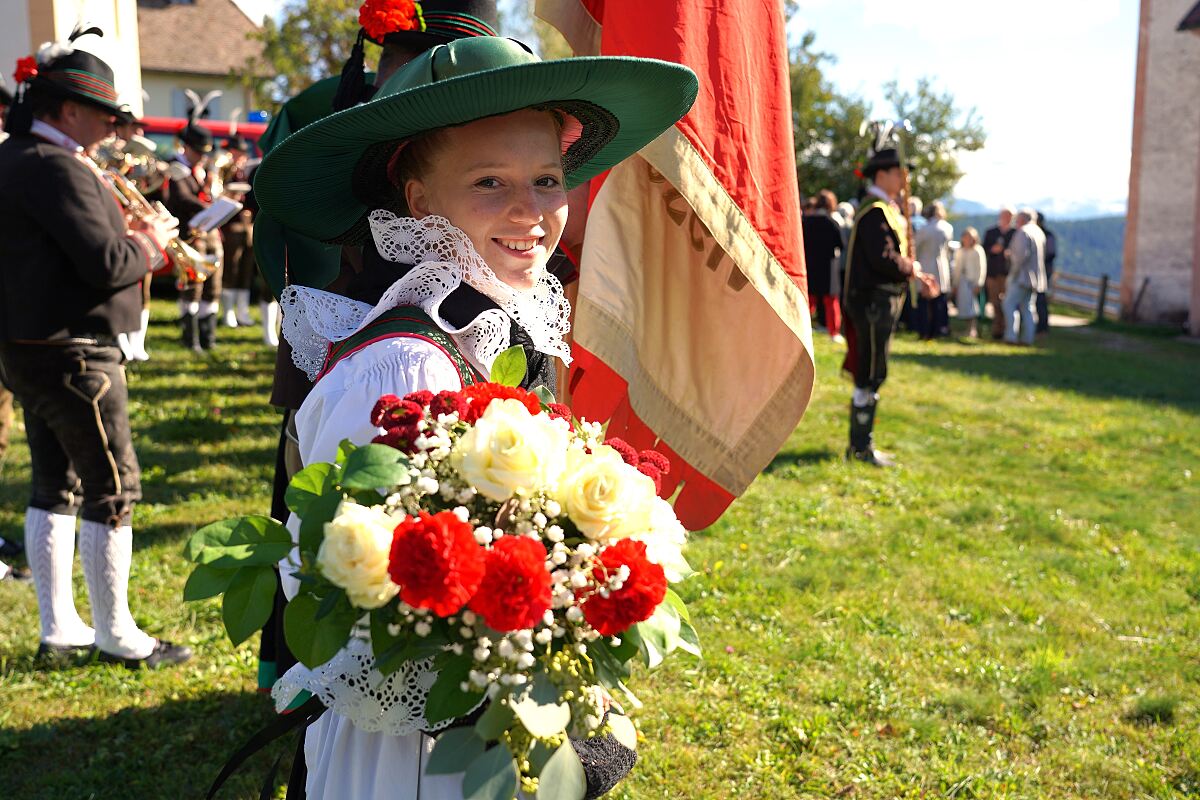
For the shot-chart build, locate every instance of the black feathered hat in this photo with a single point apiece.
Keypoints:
(412, 24)
(884, 159)
(196, 137)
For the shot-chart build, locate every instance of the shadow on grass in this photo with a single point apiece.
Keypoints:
(1071, 362)
(789, 460)
(173, 749)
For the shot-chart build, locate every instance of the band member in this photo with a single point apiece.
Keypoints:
(878, 272)
(188, 191)
(237, 238)
(70, 284)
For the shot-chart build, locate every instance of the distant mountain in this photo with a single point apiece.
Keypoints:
(1085, 246)
(1053, 208)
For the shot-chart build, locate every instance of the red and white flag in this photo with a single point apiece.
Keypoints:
(692, 330)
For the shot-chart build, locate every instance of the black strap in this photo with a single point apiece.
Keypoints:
(300, 718)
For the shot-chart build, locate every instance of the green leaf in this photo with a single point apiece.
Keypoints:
(610, 667)
(312, 522)
(314, 642)
(307, 485)
(689, 640)
(207, 581)
(492, 775)
(509, 367)
(659, 634)
(453, 749)
(238, 542)
(411, 648)
(374, 466)
(331, 601)
(562, 778)
(248, 602)
(495, 720)
(446, 699)
(676, 602)
(345, 448)
(539, 709)
(381, 640)
(545, 395)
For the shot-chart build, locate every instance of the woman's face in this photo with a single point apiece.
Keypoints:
(501, 181)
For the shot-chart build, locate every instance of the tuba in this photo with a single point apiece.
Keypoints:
(188, 264)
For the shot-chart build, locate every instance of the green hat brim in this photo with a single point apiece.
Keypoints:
(306, 182)
(285, 256)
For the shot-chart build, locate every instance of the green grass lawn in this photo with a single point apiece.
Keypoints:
(1014, 614)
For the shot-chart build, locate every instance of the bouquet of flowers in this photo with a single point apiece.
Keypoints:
(490, 531)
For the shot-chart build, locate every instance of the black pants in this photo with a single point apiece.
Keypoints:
(932, 317)
(76, 400)
(874, 315)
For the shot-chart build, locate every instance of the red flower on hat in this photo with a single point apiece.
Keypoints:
(515, 591)
(381, 17)
(638, 596)
(27, 68)
(436, 562)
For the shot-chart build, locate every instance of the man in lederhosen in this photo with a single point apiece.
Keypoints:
(186, 192)
(72, 264)
(878, 273)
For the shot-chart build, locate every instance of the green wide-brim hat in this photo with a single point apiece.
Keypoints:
(325, 179)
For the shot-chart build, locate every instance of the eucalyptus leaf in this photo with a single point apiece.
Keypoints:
(509, 367)
(248, 602)
(545, 395)
(207, 581)
(453, 751)
(689, 640)
(660, 633)
(307, 485)
(495, 720)
(492, 775)
(562, 778)
(374, 466)
(446, 698)
(242, 541)
(623, 730)
(539, 709)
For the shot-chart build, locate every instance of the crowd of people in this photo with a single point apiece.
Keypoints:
(1008, 270)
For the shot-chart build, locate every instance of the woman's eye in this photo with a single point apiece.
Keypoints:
(548, 181)
(487, 183)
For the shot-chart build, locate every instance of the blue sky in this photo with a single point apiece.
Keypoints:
(1052, 82)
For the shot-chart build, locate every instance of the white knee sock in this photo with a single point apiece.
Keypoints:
(243, 307)
(270, 323)
(50, 549)
(107, 554)
(863, 397)
(227, 296)
(138, 338)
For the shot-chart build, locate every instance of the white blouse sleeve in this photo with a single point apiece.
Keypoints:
(339, 406)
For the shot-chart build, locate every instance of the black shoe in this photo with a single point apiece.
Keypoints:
(17, 574)
(207, 331)
(10, 549)
(189, 332)
(61, 655)
(163, 653)
(876, 458)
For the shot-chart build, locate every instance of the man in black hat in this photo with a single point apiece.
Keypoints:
(186, 192)
(69, 286)
(878, 272)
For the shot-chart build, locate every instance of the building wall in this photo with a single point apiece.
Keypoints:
(29, 23)
(167, 99)
(1165, 169)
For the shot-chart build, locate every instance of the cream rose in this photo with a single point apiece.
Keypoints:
(606, 498)
(665, 540)
(510, 451)
(354, 554)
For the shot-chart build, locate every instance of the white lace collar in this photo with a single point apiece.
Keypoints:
(444, 259)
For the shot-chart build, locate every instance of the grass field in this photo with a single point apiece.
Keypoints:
(1014, 614)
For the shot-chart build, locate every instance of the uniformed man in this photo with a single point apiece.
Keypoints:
(879, 270)
(69, 286)
(186, 192)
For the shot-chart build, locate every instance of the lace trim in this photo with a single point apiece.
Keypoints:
(349, 684)
(444, 258)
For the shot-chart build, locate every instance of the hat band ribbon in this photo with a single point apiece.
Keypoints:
(456, 24)
(84, 83)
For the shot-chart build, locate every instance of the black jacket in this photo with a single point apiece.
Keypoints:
(822, 240)
(874, 263)
(68, 265)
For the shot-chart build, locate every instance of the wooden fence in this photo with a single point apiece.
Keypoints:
(1086, 293)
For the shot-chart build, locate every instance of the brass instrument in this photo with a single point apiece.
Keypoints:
(189, 265)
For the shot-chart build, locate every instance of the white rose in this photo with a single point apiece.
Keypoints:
(510, 451)
(354, 554)
(606, 498)
(665, 540)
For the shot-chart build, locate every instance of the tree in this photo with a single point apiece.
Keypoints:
(311, 41)
(937, 136)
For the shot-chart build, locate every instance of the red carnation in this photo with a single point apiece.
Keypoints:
(381, 17)
(436, 562)
(480, 395)
(27, 68)
(653, 473)
(401, 437)
(656, 460)
(637, 598)
(422, 397)
(560, 411)
(390, 411)
(515, 592)
(448, 403)
(628, 454)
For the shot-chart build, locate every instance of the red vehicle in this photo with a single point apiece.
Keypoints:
(164, 129)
